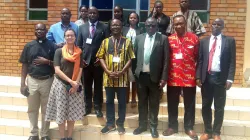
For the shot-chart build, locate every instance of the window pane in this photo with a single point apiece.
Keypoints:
(126, 4)
(105, 16)
(38, 3)
(143, 16)
(203, 16)
(199, 4)
(107, 4)
(144, 5)
(38, 15)
(85, 2)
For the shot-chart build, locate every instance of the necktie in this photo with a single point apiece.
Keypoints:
(148, 51)
(211, 55)
(92, 29)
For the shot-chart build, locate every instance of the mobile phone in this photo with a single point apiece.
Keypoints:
(68, 87)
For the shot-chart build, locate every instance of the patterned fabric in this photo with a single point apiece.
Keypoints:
(64, 106)
(124, 52)
(194, 23)
(182, 70)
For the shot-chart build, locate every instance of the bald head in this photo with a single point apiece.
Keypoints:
(217, 26)
(65, 15)
(93, 14)
(151, 26)
(40, 31)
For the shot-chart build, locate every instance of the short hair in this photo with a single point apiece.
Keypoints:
(120, 9)
(83, 6)
(178, 16)
(158, 1)
(137, 24)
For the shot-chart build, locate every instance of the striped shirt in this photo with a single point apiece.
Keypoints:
(107, 52)
(194, 23)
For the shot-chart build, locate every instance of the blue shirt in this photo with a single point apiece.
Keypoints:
(56, 32)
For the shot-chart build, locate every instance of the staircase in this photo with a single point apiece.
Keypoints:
(14, 123)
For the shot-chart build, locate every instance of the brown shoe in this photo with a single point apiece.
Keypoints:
(217, 137)
(192, 134)
(205, 136)
(168, 132)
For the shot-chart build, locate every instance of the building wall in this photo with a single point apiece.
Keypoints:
(16, 31)
(234, 14)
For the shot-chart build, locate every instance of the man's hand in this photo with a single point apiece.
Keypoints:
(23, 90)
(97, 62)
(119, 73)
(228, 85)
(85, 64)
(40, 61)
(162, 84)
(198, 83)
(111, 74)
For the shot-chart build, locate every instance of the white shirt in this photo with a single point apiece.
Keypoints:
(217, 54)
(147, 44)
(131, 35)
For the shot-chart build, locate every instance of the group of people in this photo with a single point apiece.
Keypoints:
(63, 65)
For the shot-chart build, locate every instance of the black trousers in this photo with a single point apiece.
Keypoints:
(213, 89)
(93, 74)
(149, 96)
(189, 96)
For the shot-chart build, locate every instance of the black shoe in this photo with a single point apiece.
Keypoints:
(121, 130)
(98, 113)
(139, 130)
(87, 112)
(107, 129)
(33, 138)
(45, 138)
(154, 132)
(69, 139)
(63, 139)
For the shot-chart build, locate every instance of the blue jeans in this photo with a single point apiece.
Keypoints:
(110, 107)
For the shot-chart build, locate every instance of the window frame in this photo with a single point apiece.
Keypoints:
(34, 9)
(137, 10)
(205, 11)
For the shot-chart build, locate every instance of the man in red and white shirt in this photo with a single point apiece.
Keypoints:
(181, 77)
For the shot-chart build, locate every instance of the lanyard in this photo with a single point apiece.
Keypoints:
(116, 45)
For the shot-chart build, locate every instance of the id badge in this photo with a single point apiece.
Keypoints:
(89, 41)
(178, 56)
(116, 59)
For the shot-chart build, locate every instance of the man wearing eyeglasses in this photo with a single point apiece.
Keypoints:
(151, 71)
(181, 77)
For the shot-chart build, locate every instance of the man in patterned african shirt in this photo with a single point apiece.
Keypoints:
(181, 77)
(194, 23)
(115, 55)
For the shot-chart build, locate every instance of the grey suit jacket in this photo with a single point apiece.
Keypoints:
(159, 58)
(227, 59)
(90, 50)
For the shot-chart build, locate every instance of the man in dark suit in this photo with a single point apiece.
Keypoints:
(215, 74)
(151, 71)
(90, 37)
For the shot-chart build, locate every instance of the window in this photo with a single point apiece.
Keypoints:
(37, 10)
(106, 8)
(201, 8)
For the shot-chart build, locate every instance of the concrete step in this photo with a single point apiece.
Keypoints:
(12, 137)
(17, 110)
(93, 133)
(18, 127)
(235, 96)
(230, 127)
